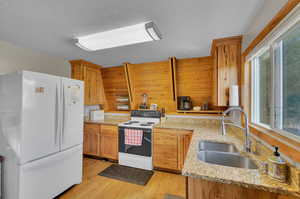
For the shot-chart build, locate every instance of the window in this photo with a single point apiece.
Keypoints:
(262, 90)
(276, 83)
(287, 64)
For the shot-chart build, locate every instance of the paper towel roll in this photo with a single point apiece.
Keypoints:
(234, 95)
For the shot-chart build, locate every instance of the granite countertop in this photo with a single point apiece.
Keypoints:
(243, 177)
(110, 121)
(176, 125)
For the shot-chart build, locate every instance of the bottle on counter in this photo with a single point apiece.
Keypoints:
(163, 115)
(277, 167)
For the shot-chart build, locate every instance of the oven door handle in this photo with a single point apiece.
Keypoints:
(147, 140)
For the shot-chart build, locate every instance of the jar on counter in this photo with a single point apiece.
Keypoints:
(277, 167)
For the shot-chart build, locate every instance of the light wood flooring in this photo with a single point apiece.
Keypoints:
(98, 187)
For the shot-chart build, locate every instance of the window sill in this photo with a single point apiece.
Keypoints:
(260, 126)
(279, 136)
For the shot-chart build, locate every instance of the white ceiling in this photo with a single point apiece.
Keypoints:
(187, 26)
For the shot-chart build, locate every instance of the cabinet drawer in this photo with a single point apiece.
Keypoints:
(172, 131)
(109, 130)
(91, 128)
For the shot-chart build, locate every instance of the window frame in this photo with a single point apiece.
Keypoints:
(275, 47)
(278, 44)
(255, 100)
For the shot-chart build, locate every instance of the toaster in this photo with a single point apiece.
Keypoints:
(97, 115)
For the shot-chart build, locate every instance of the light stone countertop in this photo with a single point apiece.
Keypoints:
(210, 130)
(109, 121)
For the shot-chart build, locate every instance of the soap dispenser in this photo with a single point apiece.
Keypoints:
(277, 168)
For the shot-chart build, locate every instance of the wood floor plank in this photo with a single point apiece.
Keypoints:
(94, 186)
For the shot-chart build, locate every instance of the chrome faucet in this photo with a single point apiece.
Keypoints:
(247, 144)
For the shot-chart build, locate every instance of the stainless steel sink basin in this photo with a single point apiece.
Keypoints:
(226, 159)
(216, 146)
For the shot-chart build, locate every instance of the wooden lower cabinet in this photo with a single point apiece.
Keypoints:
(203, 189)
(169, 148)
(109, 142)
(101, 141)
(91, 139)
(187, 137)
(165, 151)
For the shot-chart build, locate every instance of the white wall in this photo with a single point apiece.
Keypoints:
(13, 58)
(264, 15)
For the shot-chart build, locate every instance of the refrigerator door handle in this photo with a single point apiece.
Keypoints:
(56, 115)
(63, 114)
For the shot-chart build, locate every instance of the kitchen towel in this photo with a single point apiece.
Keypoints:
(133, 137)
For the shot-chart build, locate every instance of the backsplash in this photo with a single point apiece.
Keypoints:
(191, 120)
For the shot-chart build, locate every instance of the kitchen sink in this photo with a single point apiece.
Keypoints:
(226, 159)
(216, 146)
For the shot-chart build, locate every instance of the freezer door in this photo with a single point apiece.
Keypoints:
(72, 116)
(40, 116)
(48, 177)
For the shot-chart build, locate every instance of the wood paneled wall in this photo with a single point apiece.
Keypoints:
(155, 79)
(115, 84)
(194, 78)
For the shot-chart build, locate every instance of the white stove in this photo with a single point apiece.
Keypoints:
(135, 123)
(138, 156)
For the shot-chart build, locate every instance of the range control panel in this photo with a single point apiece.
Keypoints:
(146, 113)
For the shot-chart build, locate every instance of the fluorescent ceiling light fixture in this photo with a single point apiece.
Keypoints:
(139, 33)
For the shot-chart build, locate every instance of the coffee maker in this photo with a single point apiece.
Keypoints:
(184, 103)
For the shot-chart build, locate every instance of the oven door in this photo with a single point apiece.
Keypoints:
(144, 150)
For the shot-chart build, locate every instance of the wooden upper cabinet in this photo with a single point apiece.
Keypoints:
(93, 85)
(226, 53)
(94, 92)
(194, 79)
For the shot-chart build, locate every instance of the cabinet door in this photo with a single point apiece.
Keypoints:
(90, 79)
(228, 62)
(91, 139)
(165, 150)
(94, 93)
(100, 95)
(93, 85)
(185, 144)
(109, 142)
(184, 140)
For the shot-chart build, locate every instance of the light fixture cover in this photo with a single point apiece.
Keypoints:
(128, 35)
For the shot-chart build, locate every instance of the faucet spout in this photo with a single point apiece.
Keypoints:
(247, 144)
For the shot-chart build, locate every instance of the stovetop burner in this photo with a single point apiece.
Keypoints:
(131, 122)
(140, 122)
(145, 124)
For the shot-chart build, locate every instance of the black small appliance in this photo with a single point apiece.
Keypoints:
(184, 103)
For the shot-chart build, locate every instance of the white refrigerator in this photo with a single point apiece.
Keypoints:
(41, 134)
